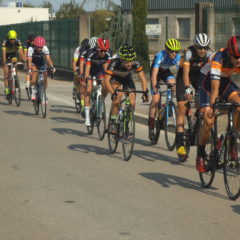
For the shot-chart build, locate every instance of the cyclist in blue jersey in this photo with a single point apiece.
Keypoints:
(160, 71)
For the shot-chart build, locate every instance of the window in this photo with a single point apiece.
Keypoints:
(153, 28)
(19, 4)
(236, 24)
(183, 28)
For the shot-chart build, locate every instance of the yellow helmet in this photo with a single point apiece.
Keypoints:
(12, 34)
(173, 45)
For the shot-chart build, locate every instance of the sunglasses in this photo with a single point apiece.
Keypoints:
(201, 48)
(171, 52)
(100, 50)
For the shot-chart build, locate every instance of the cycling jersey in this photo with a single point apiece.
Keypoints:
(28, 45)
(195, 62)
(219, 67)
(79, 53)
(163, 61)
(11, 49)
(121, 74)
(38, 58)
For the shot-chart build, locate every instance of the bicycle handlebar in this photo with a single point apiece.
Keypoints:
(129, 91)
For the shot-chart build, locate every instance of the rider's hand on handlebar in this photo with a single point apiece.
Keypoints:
(114, 96)
(188, 93)
(145, 97)
(53, 69)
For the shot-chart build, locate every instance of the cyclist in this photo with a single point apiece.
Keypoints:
(10, 47)
(97, 61)
(194, 58)
(215, 81)
(78, 70)
(160, 71)
(38, 55)
(119, 73)
(29, 43)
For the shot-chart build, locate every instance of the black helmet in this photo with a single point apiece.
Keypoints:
(31, 37)
(85, 43)
(127, 53)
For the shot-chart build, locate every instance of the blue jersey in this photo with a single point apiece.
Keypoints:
(163, 61)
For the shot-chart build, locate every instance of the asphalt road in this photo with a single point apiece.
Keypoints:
(58, 183)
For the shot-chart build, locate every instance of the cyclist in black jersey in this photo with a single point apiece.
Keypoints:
(119, 73)
(10, 47)
(194, 58)
(97, 61)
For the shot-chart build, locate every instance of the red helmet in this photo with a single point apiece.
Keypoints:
(103, 44)
(234, 46)
(39, 41)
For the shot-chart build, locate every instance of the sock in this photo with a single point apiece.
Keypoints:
(201, 150)
(87, 114)
(151, 123)
(179, 139)
(113, 117)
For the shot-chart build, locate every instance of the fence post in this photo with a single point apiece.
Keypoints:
(205, 20)
(84, 26)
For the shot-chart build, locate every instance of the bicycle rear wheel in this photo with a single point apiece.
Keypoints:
(29, 92)
(170, 125)
(101, 118)
(128, 134)
(156, 129)
(17, 92)
(77, 102)
(112, 138)
(43, 100)
(207, 177)
(231, 166)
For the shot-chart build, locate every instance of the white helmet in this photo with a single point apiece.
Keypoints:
(202, 40)
(93, 42)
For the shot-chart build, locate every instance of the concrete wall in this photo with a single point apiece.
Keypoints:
(21, 15)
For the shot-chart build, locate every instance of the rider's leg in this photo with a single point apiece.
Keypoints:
(34, 76)
(82, 91)
(181, 111)
(235, 98)
(104, 88)
(153, 110)
(5, 73)
(87, 95)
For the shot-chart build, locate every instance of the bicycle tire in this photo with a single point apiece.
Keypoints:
(17, 92)
(77, 102)
(113, 139)
(92, 116)
(207, 177)
(101, 117)
(170, 125)
(9, 97)
(231, 166)
(29, 92)
(128, 135)
(156, 129)
(43, 100)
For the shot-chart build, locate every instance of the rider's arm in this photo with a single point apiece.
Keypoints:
(4, 55)
(143, 78)
(186, 70)
(21, 54)
(75, 59)
(81, 66)
(154, 77)
(49, 61)
(74, 65)
(87, 70)
(107, 79)
(214, 90)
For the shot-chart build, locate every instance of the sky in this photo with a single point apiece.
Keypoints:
(91, 5)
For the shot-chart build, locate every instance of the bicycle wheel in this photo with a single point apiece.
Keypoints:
(156, 129)
(77, 102)
(207, 177)
(170, 125)
(43, 100)
(92, 116)
(231, 166)
(112, 138)
(17, 92)
(9, 97)
(29, 92)
(101, 117)
(128, 134)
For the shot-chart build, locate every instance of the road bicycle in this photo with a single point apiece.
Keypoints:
(97, 110)
(165, 117)
(225, 153)
(125, 125)
(13, 83)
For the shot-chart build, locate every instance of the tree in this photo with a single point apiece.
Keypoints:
(28, 5)
(70, 10)
(140, 40)
(47, 4)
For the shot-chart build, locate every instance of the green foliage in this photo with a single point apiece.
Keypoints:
(70, 10)
(28, 5)
(47, 4)
(140, 40)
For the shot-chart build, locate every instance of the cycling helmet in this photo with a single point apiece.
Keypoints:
(127, 53)
(85, 43)
(93, 42)
(12, 34)
(103, 44)
(234, 46)
(31, 37)
(39, 41)
(202, 40)
(173, 45)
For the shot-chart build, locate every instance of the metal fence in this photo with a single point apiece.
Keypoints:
(62, 37)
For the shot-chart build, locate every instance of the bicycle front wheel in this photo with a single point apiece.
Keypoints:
(101, 117)
(207, 177)
(77, 102)
(128, 134)
(92, 116)
(231, 165)
(170, 125)
(43, 100)
(113, 138)
(17, 92)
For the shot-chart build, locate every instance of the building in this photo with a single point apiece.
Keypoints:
(14, 12)
(179, 19)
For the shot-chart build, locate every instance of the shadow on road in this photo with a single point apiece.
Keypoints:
(67, 120)
(62, 106)
(167, 181)
(236, 208)
(20, 113)
(62, 111)
(64, 131)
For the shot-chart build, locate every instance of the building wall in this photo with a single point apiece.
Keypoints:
(21, 15)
